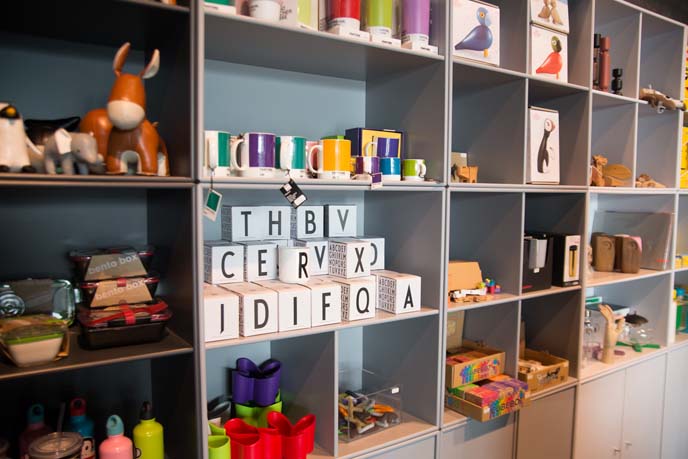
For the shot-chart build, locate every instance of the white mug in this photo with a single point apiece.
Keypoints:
(293, 264)
(267, 10)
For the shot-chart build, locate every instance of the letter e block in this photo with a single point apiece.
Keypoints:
(260, 261)
(349, 258)
(241, 224)
(397, 292)
(221, 313)
(308, 222)
(340, 221)
(223, 262)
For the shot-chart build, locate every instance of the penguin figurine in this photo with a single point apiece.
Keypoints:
(480, 38)
(553, 63)
(14, 154)
(543, 152)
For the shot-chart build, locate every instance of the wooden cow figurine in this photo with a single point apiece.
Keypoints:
(123, 133)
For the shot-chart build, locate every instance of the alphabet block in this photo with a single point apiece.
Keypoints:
(293, 304)
(359, 298)
(221, 313)
(223, 262)
(377, 258)
(241, 223)
(318, 263)
(277, 222)
(258, 313)
(340, 221)
(326, 301)
(260, 261)
(308, 222)
(397, 292)
(349, 258)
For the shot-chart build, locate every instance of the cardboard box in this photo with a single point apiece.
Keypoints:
(340, 220)
(326, 301)
(463, 275)
(318, 262)
(258, 311)
(537, 262)
(476, 31)
(549, 54)
(556, 18)
(260, 261)
(359, 297)
(377, 244)
(543, 160)
(459, 373)
(566, 262)
(360, 137)
(555, 370)
(293, 304)
(221, 313)
(308, 222)
(397, 292)
(349, 258)
(223, 262)
(499, 407)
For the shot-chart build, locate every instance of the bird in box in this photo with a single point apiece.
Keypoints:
(554, 62)
(480, 38)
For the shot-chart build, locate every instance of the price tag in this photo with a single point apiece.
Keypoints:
(375, 181)
(293, 193)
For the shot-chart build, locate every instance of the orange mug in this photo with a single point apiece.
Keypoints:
(330, 159)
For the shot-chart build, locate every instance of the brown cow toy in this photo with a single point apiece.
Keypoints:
(123, 133)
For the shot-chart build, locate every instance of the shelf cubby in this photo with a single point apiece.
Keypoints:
(662, 55)
(682, 225)
(555, 212)
(614, 125)
(513, 23)
(580, 41)
(658, 143)
(494, 439)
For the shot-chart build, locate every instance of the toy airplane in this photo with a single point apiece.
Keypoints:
(660, 101)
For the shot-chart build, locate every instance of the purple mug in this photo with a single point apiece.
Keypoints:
(257, 154)
(367, 165)
(384, 147)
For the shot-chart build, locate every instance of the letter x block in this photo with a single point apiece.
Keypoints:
(349, 258)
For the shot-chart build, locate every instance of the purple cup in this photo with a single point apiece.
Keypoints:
(416, 20)
(384, 147)
(256, 156)
(367, 165)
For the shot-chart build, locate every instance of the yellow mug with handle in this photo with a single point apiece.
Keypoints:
(330, 159)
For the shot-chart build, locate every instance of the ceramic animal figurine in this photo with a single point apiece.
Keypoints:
(553, 62)
(70, 148)
(39, 131)
(543, 152)
(549, 10)
(611, 333)
(480, 38)
(14, 145)
(123, 133)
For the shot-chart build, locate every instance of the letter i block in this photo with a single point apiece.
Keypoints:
(308, 222)
(221, 313)
(377, 258)
(258, 313)
(340, 221)
(241, 224)
(318, 261)
(396, 292)
(293, 304)
(359, 298)
(276, 223)
(223, 262)
(260, 261)
(326, 301)
(349, 258)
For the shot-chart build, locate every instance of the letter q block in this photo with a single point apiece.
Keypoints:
(223, 262)
(359, 298)
(221, 313)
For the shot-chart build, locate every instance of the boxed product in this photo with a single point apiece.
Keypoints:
(463, 275)
(472, 362)
(349, 257)
(360, 137)
(359, 297)
(260, 261)
(537, 262)
(489, 399)
(220, 313)
(112, 263)
(293, 304)
(308, 222)
(258, 312)
(476, 31)
(318, 262)
(377, 258)
(223, 262)
(326, 301)
(549, 55)
(553, 14)
(111, 292)
(566, 261)
(340, 220)
(541, 370)
(397, 292)
(543, 159)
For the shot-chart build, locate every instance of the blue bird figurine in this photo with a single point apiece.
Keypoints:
(480, 38)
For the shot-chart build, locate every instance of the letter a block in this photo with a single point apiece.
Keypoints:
(223, 262)
(397, 292)
(260, 261)
(349, 258)
(340, 221)
(377, 258)
(293, 304)
(241, 224)
(221, 313)
(258, 312)
(318, 262)
(326, 301)
(308, 222)
(359, 298)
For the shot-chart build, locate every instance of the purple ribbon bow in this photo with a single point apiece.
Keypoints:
(257, 384)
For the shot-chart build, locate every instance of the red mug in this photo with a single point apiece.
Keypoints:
(345, 13)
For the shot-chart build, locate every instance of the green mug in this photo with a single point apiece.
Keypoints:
(413, 170)
(218, 447)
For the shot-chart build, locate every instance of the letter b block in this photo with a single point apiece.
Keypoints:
(223, 262)
(308, 222)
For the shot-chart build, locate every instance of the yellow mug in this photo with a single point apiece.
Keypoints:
(330, 159)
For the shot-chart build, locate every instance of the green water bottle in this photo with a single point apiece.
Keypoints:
(148, 435)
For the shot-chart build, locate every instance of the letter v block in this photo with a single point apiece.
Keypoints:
(258, 311)
(318, 262)
(340, 221)
(349, 258)
(223, 262)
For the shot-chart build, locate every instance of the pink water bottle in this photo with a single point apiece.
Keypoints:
(116, 446)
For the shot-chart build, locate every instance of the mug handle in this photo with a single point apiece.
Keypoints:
(235, 164)
(421, 170)
(309, 163)
(284, 155)
(372, 144)
(210, 159)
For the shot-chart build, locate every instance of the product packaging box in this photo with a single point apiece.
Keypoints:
(553, 14)
(221, 313)
(258, 311)
(397, 293)
(543, 159)
(537, 262)
(308, 222)
(326, 301)
(377, 244)
(293, 304)
(549, 54)
(489, 400)
(349, 258)
(223, 262)
(318, 262)
(471, 363)
(463, 275)
(476, 31)
(566, 261)
(551, 370)
(359, 297)
(260, 261)
(129, 290)
(112, 263)
(360, 137)
(340, 220)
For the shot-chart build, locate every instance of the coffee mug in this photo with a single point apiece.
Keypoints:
(384, 147)
(391, 169)
(267, 10)
(367, 165)
(293, 264)
(333, 159)
(257, 153)
(414, 169)
(290, 155)
(218, 447)
(218, 148)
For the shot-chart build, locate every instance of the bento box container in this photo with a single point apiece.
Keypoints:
(112, 263)
(34, 339)
(54, 297)
(129, 290)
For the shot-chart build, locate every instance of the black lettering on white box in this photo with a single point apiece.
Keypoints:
(246, 214)
(325, 304)
(408, 302)
(262, 262)
(257, 324)
(310, 222)
(359, 259)
(223, 265)
(358, 300)
(272, 222)
(343, 219)
(303, 264)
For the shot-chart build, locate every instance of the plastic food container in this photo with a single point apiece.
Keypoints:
(51, 446)
(54, 297)
(123, 325)
(112, 263)
(32, 340)
(119, 291)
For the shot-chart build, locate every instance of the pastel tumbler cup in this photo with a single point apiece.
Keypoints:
(345, 13)
(391, 169)
(257, 153)
(416, 21)
(379, 17)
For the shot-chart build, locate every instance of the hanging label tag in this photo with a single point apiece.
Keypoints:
(375, 181)
(212, 204)
(293, 193)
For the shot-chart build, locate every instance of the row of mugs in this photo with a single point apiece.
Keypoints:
(259, 154)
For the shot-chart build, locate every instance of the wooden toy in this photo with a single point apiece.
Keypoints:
(221, 313)
(612, 331)
(223, 262)
(617, 82)
(340, 221)
(603, 174)
(605, 64)
(14, 144)
(260, 261)
(596, 61)
(377, 258)
(359, 297)
(69, 149)
(396, 292)
(308, 222)
(349, 258)
(660, 101)
(258, 310)
(603, 252)
(293, 304)
(645, 181)
(123, 133)
(318, 262)
(326, 301)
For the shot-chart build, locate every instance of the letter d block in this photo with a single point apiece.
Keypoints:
(359, 298)
(258, 313)
(221, 313)
(318, 262)
(340, 221)
(260, 261)
(293, 303)
(349, 258)
(223, 262)
(396, 292)
(326, 301)
(308, 222)
(241, 224)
